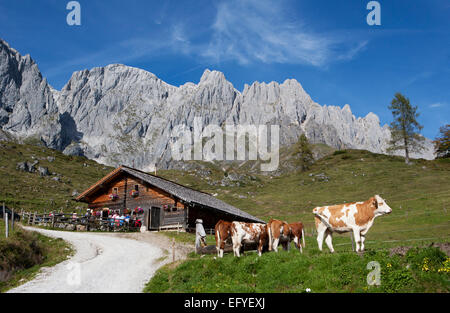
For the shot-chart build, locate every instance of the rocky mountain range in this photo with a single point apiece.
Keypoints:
(123, 115)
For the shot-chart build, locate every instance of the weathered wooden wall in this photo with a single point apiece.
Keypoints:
(149, 196)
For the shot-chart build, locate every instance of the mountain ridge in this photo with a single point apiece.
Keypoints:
(119, 114)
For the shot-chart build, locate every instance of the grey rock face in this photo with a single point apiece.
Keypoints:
(123, 115)
(27, 107)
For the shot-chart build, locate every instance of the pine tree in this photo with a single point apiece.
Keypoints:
(304, 153)
(442, 143)
(405, 128)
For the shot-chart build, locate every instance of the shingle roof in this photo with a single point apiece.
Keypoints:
(182, 192)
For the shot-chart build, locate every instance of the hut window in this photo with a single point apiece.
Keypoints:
(115, 191)
(136, 187)
(174, 209)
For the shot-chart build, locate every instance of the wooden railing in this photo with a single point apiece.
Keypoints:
(81, 223)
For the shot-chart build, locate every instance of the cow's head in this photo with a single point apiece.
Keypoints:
(381, 206)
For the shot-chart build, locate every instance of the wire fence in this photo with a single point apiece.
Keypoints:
(395, 240)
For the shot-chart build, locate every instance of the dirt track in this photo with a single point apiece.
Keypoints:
(104, 262)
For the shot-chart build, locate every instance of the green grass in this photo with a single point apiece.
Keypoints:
(24, 253)
(294, 272)
(184, 237)
(29, 191)
(419, 195)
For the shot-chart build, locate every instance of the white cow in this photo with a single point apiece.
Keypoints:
(357, 217)
(242, 232)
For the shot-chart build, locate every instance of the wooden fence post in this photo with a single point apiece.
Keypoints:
(12, 220)
(173, 249)
(34, 218)
(6, 224)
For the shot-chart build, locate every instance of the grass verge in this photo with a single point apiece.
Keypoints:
(420, 270)
(24, 253)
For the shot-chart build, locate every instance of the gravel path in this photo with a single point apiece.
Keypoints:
(102, 263)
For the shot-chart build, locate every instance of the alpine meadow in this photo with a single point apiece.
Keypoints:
(226, 155)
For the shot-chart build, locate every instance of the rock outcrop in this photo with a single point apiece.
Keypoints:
(27, 106)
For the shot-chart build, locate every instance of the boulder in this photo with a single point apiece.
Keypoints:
(74, 149)
(22, 166)
(43, 171)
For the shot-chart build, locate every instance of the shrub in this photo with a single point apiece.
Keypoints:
(426, 260)
(23, 250)
(396, 280)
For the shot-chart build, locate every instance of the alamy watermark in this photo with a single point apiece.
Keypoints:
(74, 16)
(229, 142)
(374, 277)
(374, 16)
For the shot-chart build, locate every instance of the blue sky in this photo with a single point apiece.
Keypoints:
(326, 45)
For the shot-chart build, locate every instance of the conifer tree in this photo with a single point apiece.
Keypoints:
(304, 153)
(405, 128)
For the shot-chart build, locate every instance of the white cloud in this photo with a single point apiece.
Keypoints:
(418, 77)
(246, 31)
(260, 30)
(436, 105)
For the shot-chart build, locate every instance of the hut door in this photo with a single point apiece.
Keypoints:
(155, 218)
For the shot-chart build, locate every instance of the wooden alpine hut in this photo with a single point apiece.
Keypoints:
(162, 204)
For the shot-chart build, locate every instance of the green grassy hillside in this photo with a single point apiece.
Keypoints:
(419, 194)
(32, 192)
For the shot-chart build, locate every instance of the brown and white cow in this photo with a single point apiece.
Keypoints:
(248, 233)
(357, 217)
(278, 232)
(282, 232)
(297, 234)
(222, 232)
